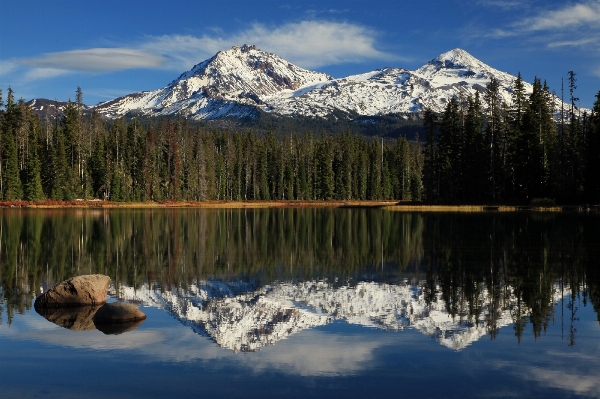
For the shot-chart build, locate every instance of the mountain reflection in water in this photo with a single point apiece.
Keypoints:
(248, 278)
(248, 321)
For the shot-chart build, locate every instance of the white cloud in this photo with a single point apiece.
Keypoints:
(7, 66)
(44, 73)
(328, 355)
(575, 43)
(576, 383)
(313, 43)
(503, 3)
(184, 51)
(572, 26)
(557, 22)
(572, 16)
(96, 60)
(573, 371)
(309, 44)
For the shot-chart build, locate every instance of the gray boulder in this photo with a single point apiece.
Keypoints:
(87, 290)
(118, 312)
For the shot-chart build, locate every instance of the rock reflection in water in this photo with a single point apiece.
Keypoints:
(119, 328)
(81, 319)
(71, 318)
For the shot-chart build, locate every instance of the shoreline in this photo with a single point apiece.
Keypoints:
(390, 205)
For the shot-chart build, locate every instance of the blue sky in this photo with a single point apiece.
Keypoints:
(112, 48)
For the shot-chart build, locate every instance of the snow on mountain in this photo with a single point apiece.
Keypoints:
(242, 80)
(242, 317)
(239, 81)
(232, 83)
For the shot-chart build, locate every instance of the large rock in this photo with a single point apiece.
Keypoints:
(118, 312)
(87, 290)
(77, 319)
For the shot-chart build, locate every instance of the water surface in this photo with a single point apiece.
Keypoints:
(306, 303)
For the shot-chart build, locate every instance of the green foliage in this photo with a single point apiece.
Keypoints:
(33, 189)
(592, 187)
(478, 150)
(491, 152)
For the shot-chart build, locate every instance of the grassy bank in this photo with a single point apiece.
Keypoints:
(387, 205)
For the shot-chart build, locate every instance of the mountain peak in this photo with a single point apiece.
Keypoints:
(246, 48)
(455, 59)
(456, 62)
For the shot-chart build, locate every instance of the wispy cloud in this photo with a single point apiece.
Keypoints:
(566, 19)
(506, 4)
(571, 26)
(309, 44)
(44, 73)
(95, 60)
(7, 66)
(578, 43)
(572, 16)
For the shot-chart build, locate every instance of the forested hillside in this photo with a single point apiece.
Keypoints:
(479, 150)
(170, 159)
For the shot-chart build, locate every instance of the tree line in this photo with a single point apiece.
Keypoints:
(82, 157)
(482, 149)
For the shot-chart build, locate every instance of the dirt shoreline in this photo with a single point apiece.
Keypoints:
(387, 205)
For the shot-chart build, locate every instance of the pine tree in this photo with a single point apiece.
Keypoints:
(473, 163)
(11, 182)
(324, 166)
(33, 184)
(592, 181)
(573, 146)
(97, 169)
(60, 187)
(70, 133)
(493, 127)
(430, 156)
(449, 151)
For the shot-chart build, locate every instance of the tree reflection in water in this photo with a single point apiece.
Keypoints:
(478, 265)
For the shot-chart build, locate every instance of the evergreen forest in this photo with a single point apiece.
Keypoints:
(479, 150)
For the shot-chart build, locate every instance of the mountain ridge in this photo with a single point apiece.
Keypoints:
(243, 81)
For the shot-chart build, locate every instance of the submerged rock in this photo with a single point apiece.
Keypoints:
(86, 290)
(76, 319)
(118, 313)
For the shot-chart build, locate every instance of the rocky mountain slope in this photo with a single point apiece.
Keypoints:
(52, 108)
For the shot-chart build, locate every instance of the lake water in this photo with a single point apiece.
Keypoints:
(302, 303)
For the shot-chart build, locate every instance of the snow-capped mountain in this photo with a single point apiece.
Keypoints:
(395, 90)
(241, 317)
(242, 80)
(232, 83)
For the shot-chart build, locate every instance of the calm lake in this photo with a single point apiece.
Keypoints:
(303, 303)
